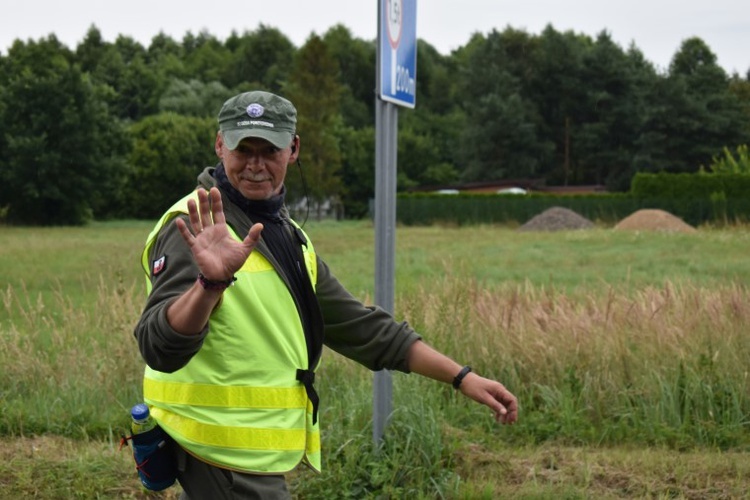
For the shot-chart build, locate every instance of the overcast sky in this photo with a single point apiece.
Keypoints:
(656, 27)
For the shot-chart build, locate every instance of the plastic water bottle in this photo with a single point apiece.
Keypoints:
(154, 458)
(142, 420)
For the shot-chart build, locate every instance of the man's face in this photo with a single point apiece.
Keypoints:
(256, 168)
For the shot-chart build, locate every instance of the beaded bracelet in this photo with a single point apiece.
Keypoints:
(220, 285)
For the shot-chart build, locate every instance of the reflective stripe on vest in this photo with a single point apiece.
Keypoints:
(237, 404)
(238, 397)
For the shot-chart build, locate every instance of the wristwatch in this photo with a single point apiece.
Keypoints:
(460, 377)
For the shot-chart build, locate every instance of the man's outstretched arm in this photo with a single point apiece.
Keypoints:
(428, 362)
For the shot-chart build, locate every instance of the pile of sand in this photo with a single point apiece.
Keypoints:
(556, 219)
(654, 220)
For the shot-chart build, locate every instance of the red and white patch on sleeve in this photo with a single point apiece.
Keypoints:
(159, 265)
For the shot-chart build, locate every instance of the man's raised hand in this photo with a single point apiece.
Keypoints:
(217, 254)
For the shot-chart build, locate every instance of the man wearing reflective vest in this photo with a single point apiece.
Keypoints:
(239, 309)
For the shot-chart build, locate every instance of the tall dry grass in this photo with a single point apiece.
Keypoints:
(661, 365)
(66, 369)
(658, 365)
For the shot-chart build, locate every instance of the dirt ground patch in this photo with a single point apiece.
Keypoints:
(53, 467)
(603, 473)
(654, 220)
(557, 219)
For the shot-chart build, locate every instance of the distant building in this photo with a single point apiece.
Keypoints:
(508, 186)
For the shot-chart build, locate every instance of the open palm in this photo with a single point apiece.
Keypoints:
(217, 254)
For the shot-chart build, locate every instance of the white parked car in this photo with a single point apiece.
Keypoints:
(511, 190)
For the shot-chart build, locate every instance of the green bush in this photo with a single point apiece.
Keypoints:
(729, 164)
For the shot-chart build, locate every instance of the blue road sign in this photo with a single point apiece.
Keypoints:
(398, 51)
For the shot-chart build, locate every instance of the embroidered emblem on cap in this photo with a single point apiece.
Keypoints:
(255, 110)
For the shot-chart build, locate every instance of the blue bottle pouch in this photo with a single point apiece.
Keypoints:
(154, 458)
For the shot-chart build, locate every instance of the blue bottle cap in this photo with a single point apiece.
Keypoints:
(139, 412)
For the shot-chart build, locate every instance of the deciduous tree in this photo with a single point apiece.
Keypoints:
(169, 151)
(63, 150)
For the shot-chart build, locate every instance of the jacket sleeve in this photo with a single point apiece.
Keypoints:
(368, 335)
(162, 348)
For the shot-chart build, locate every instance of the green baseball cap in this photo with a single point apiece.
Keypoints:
(258, 114)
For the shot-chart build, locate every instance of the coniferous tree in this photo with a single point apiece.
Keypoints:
(556, 88)
(356, 62)
(613, 112)
(741, 89)
(315, 91)
(693, 115)
(500, 139)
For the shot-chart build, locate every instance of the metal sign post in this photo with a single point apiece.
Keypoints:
(386, 114)
(396, 84)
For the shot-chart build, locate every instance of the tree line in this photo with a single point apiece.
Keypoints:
(119, 130)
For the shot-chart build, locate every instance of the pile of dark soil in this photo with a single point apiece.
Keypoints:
(654, 220)
(557, 219)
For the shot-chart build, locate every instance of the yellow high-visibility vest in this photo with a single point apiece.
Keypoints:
(237, 403)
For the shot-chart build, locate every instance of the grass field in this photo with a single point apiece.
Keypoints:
(628, 352)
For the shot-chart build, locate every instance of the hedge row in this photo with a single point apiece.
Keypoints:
(700, 186)
(695, 198)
